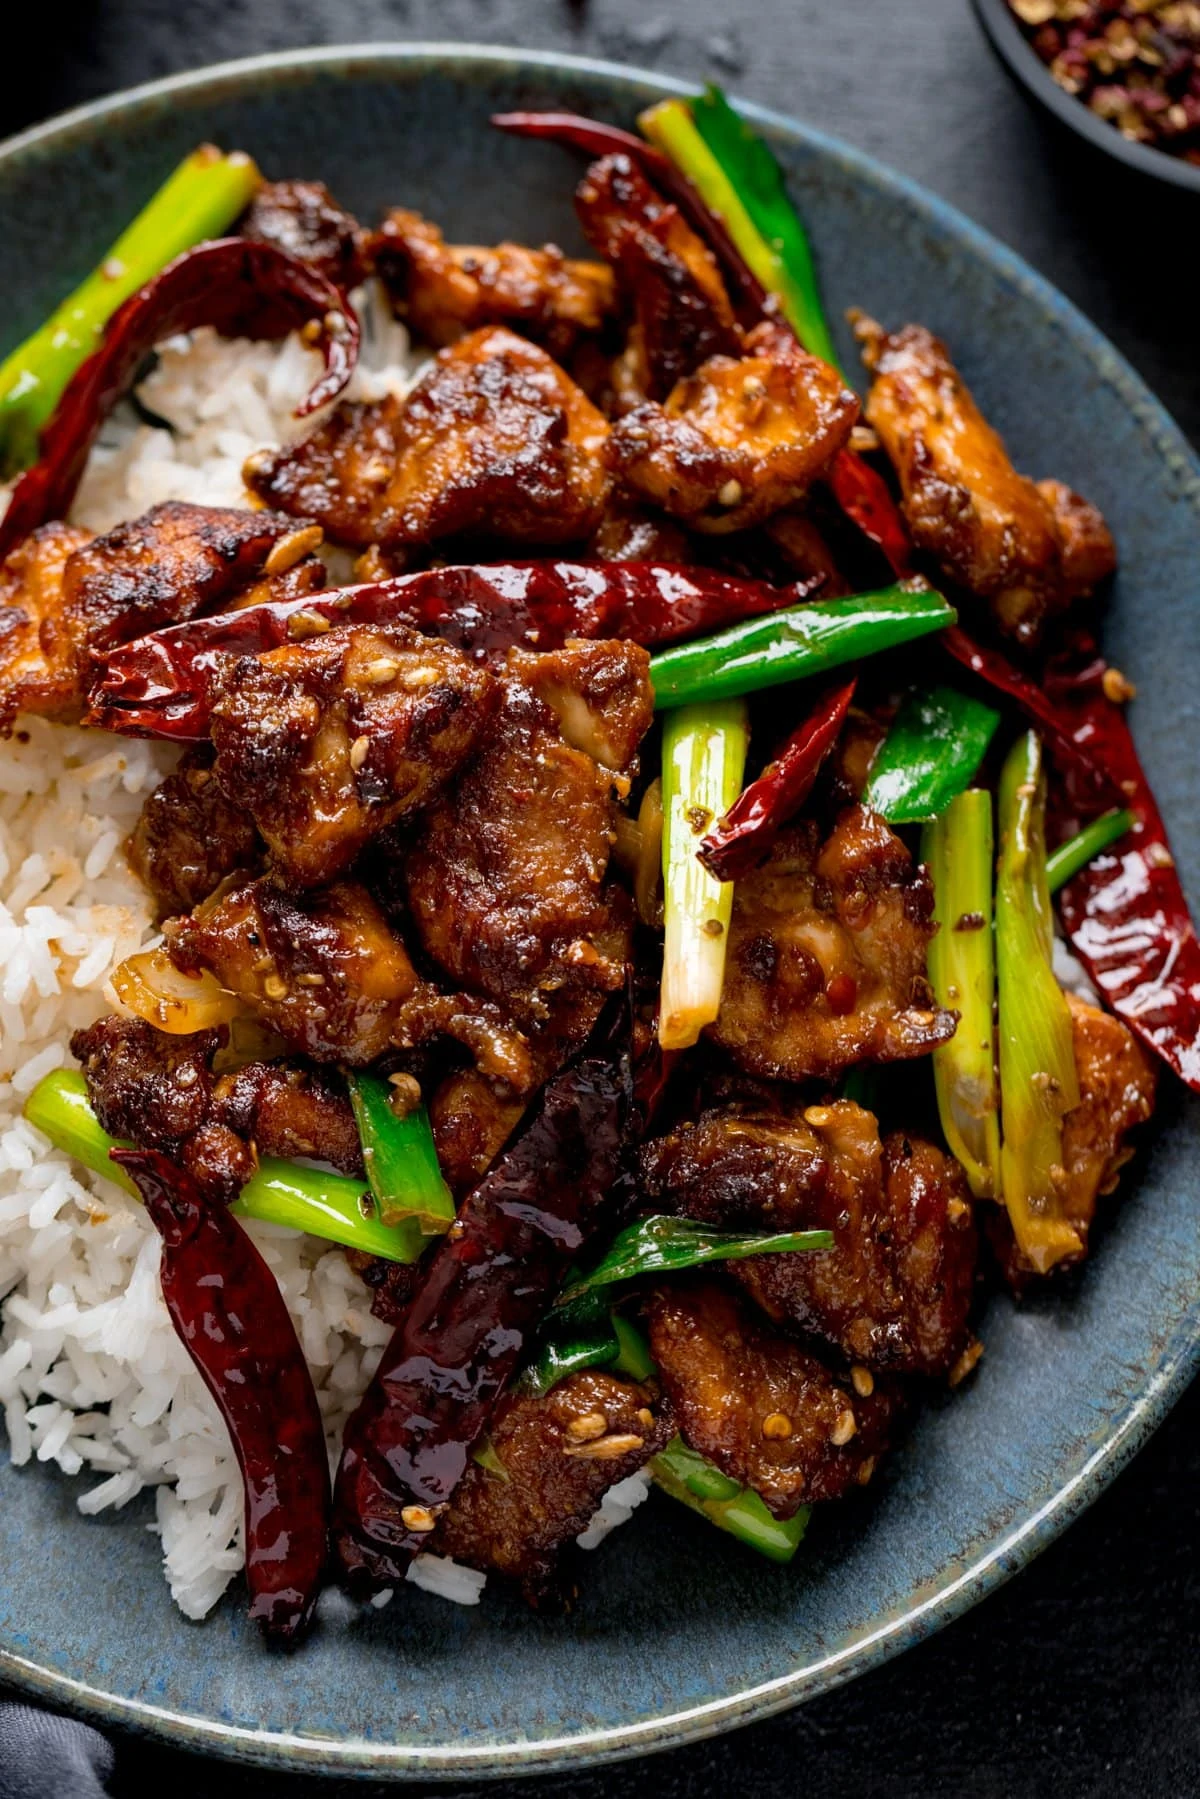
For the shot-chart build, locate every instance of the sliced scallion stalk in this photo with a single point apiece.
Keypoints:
(704, 756)
(1038, 1078)
(400, 1158)
(958, 847)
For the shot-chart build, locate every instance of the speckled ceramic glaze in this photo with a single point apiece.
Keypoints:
(679, 1633)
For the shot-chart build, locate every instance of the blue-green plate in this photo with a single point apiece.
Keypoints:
(678, 1633)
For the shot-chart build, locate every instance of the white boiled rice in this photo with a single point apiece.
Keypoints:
(92, 1376)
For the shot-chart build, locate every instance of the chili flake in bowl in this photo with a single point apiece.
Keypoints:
(1135, 65)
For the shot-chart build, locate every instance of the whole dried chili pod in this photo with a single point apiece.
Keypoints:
(745, 834)
(1070, 739)
(229, 1315)
(242, 288)
(484, 1291)
(595, 138)
(161, 685)
(1125, 912)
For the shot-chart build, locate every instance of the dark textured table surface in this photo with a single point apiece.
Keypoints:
(1080, 1677)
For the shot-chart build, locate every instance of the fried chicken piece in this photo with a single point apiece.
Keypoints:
(765, 1410)
(507, 873)
(494, 439)
(632, 533)
(740, 438)
(323, 969)
(682, 314)
(37, 659)
(1118, 1081)
(173, 562)
(560, 1453)
(600, 693)
(291, 1109)
(326, 742)
(1027, 549)
(189, 837)
(161, 1092)
(446, 290)
(303, 219)
(328, 973)
(895, 1290)
(826, 963)
(472, 1119)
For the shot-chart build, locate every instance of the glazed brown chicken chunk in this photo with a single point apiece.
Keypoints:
(38, 670)
(895, 1290)
(507, 873)
(447, 290)
(327, 742)
(65, 594)
(303, 219)
(759, 1405)
(1027, 548)
(189, 837)
(826, 964)
(495, 439)
(560, 1453)
(681, 311)
(323, 969)
(161, 1091)
(326, 971)
(740, 438)
(1118, 1080)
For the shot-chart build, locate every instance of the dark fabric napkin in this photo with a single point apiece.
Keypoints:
(43, 1756)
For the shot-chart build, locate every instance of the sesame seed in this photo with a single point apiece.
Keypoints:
(712, 927)
(777, 1424)
(414, 679)
(730, 494)
(310, 980)
(275, 987)
(405, 1095)
(417, 1517)
(381, 671)
(844, 1429)
(259, 462)
(866, 1471)
(587, 1427)
(1159, 856)
(645, 1416)
(288, 551)
(753, 388)
(817, 1116)
(359, 751)
(605, 1449)
(956, 1208)
(1116, 687)
(966, 1361)
(862, 1380)
(307, 624)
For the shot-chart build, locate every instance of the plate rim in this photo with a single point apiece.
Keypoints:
(1123, 1434)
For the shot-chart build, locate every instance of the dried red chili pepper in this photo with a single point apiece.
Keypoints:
(245, 289)
(596, 139)
(865, 498)
(485, 1289)
(745, 834)
(1126, 913)
(1070, 741)
(161, 685)
(229, 1315)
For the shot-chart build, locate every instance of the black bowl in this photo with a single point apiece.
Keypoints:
(1010, 42)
